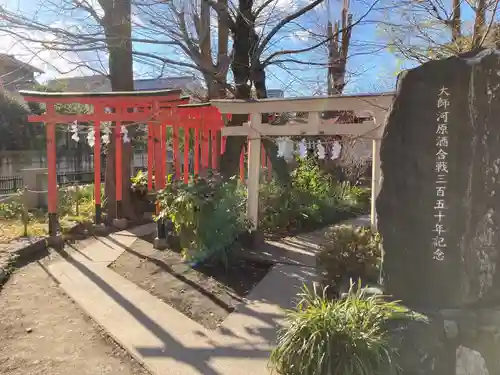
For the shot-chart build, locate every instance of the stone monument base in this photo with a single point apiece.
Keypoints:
(451, 342)
(100, 230)
(120, 223)
(160, 243)
(56, 242)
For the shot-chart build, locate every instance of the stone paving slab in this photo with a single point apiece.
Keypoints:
(257, 319)
(107, 249)
(300, 249)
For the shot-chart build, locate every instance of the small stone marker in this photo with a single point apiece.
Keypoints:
(439, 211)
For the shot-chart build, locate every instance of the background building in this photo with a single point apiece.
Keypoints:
(16, 75)
(275, 93)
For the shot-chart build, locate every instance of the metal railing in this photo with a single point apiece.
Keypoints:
(12, 184)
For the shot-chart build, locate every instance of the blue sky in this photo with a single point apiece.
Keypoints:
(373, 67)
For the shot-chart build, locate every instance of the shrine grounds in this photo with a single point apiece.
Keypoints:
(43, 329)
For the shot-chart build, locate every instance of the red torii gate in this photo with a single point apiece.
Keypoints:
(159, 110)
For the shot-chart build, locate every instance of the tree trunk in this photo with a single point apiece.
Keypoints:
(280, 166)
(456, 21)
(118, 34)
(245, 42)
(340, 40)
(229, 162)
(479, 24)
(223, 60)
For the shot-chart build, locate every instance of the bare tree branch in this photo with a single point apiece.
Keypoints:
(84, 4)
(283, 22)
(323, 42)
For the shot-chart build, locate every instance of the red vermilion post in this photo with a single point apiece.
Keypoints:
(163, 153)
(186, 154)
(159, 181)
(118, 168)
(162, 128)
(151, 148)
(205, 161)
(214, 135)
(97, 164)
(52, 169)
(196, 129)
(160, 144)
(177, 159)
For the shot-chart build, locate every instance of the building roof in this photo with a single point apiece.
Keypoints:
(95, 83)
(101, 83)
(15, 63)
(183, 83)
(275, 93)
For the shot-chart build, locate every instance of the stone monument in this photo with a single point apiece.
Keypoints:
(439, 210)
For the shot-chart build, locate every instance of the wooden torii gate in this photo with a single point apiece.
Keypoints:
(376, 105)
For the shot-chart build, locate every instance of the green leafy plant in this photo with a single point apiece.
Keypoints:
(346, 337)
(358, 196)
(276, 206)
(66, 199)
(139, 182)
(11, 210)
(311, 200)
(308, 177)
(81, 196)
(208, 215)
(349, 252)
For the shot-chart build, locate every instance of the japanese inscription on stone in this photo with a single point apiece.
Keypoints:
(440, 207)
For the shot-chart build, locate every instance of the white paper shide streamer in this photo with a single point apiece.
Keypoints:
(91, 137)
(106, 132)
(74, 130)
(124, 133)
(321, 150)
(302, 148)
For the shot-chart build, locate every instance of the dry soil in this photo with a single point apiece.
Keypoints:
(43, 332)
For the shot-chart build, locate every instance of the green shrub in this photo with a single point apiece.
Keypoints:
(308, 178)
(66, 201)
(11, 210)
(359, 196)
(139, 182)
(276, 206)
(300, 205)
(345, 337)
(349, 252)
(312, 200)
(208, 214)
(84, 195)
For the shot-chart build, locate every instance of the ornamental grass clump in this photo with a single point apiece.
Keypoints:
(338, 337)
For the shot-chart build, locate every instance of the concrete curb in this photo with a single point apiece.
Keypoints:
(23, 249)
(20, 253)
